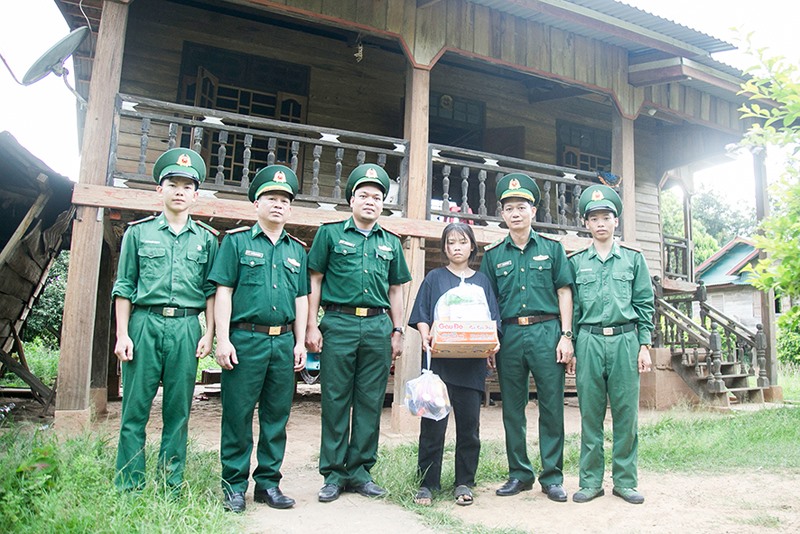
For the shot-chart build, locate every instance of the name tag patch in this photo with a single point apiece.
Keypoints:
(347, 243)
(504, 264)
(150, 242)
(253, 253)
(293, 262)
(541, 258)
(385, 248)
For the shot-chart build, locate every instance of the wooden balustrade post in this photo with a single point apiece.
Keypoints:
(715, 382)
(761, 354)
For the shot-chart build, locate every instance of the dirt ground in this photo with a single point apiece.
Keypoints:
(735, 502)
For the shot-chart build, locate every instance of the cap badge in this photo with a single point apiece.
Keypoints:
(279, 177)
(184, 160)
(513, 184)
(371, 173)
(597, 195)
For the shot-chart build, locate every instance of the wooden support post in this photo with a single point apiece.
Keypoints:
(768, 297)
(102, 330)
(74, 369)
(622, 164)
(22, 228)
(416, 131)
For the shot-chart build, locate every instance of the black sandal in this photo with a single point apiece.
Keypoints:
(463, 495)
(424, 497)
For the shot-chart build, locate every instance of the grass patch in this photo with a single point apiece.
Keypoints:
(763, 521)
(766, 439)
(789, 380)
(52, 486)
(682, 442)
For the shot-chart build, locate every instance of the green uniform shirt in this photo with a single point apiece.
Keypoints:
(266, 278)
(525, 281)
(160, 268)
(614, 291)
(358, 269)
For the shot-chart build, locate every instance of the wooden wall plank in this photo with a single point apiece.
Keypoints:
(483, 31)
(538, 55)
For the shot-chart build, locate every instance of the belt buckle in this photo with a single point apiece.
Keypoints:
(608, 331)
(524, 321)
(362, 312)
(274, 330)
(168, 312)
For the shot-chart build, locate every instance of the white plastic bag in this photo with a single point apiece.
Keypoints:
(465, 302)
(426, 395)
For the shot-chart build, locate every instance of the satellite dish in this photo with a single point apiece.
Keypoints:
(53, 60)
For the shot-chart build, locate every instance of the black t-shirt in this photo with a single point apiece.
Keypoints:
(464, 372)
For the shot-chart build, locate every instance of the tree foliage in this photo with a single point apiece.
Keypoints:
(705, 244)
(777, 81)
(44, 322)
(722, 220)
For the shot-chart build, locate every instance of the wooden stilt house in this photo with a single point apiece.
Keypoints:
(447, 95)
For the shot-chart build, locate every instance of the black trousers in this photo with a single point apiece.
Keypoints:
(466, 405)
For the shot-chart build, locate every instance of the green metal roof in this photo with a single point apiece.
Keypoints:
(727, 266)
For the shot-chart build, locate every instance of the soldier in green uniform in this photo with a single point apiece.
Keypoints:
(532, 281)
(261, 311)
(614, 324)
(161, 288)
(357, 271)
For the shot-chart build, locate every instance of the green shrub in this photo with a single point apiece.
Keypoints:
(42, 361)
(788, 337)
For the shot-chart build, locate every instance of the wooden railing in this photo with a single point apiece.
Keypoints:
(464, 182)
(713, 335)
(677, 258)
(236, 146)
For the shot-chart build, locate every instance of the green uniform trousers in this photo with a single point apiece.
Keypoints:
(527, 350)
(163, 351)
(354, 368)
(608, 372)
(264, 374)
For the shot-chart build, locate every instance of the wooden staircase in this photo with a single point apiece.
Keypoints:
(721, 360)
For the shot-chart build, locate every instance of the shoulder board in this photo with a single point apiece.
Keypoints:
(398, 236)
(213, 231)
(331, 222)
(492, 245)
(576, 252)
(237, 230)
(630, 247)
(552, 237)
(296, 239)
(134, 223)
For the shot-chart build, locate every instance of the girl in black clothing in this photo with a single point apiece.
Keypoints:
(464, 377)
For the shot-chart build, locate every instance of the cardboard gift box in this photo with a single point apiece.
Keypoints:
(463, 339)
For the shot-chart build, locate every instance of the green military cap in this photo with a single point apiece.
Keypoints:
(273, 178)
(599, 197)
(181, 162)
(517, 184)
(365, 174)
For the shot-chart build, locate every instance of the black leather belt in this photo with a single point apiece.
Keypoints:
(270, 330)
(166, 311)
(529, 319)
(609, 330)
(360, 312)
